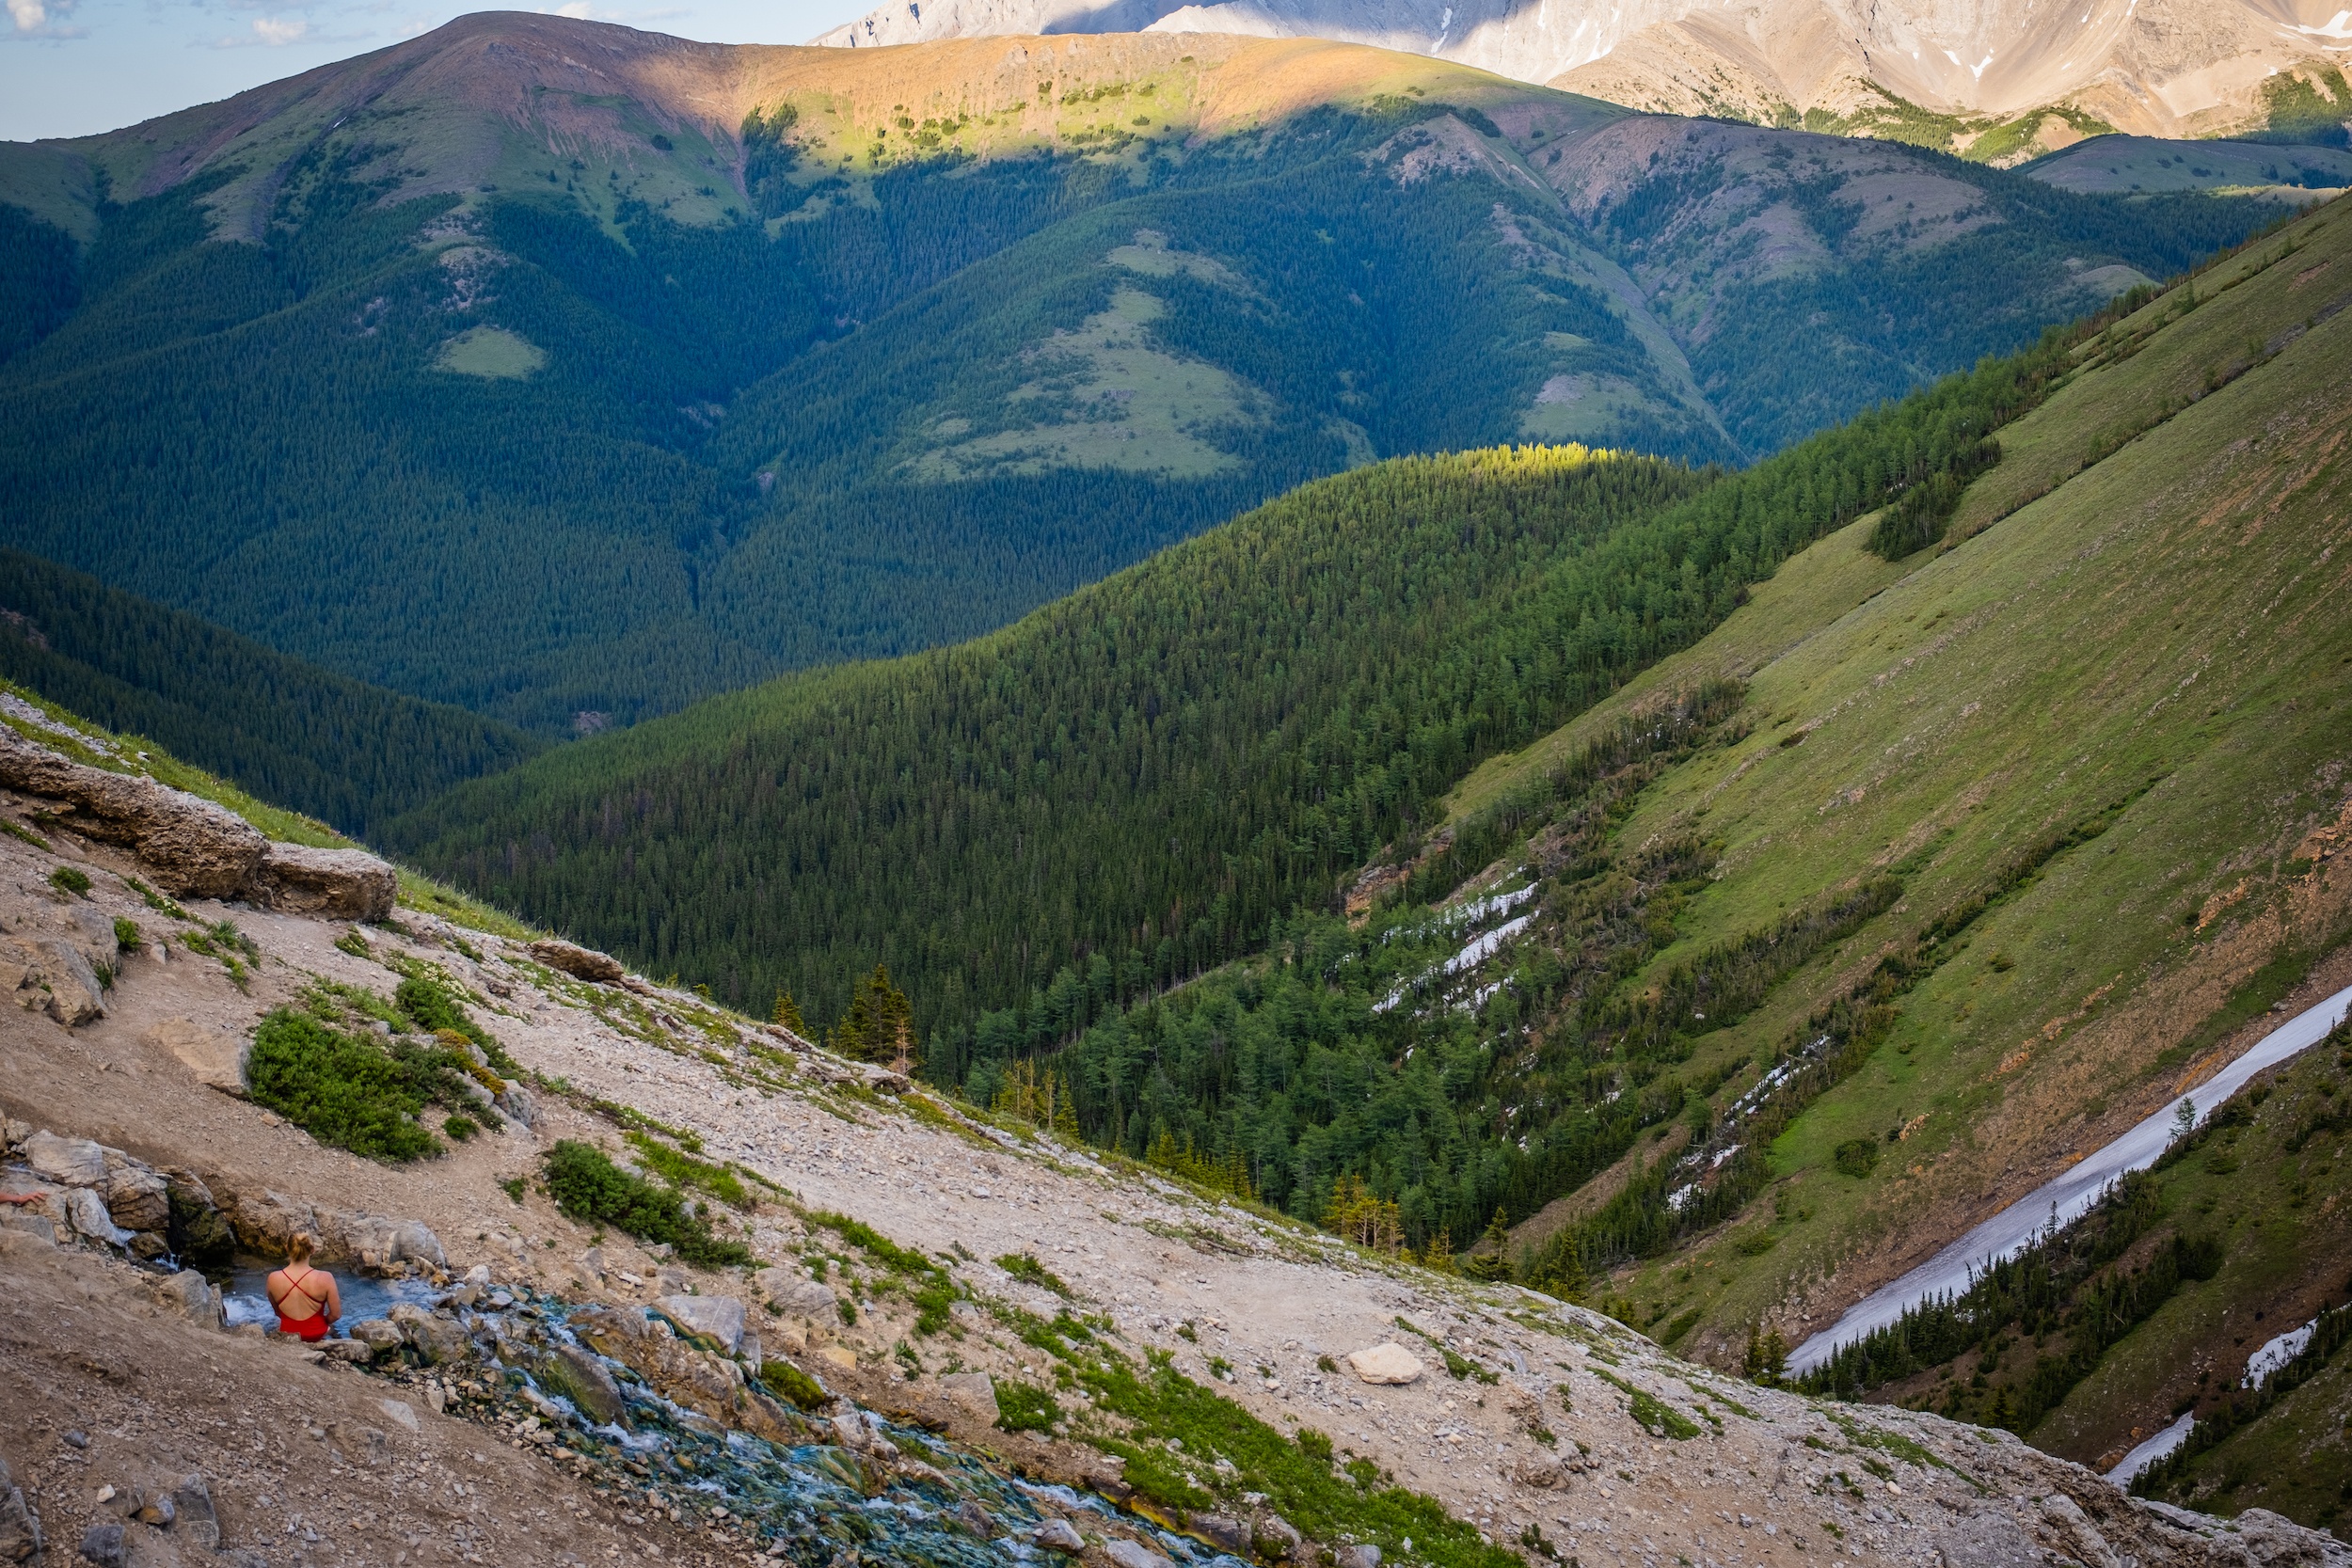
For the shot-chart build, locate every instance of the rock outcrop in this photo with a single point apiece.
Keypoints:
(192, 847)
(330, 884)
(580, 963)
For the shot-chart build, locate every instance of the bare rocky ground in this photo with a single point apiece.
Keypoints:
(118, 1383)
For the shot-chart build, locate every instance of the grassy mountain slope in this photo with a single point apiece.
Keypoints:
(560, 370)
(2111, 705)
(325, 745)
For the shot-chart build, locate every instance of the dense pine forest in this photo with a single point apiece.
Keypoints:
(1137, 782)
(351, 755)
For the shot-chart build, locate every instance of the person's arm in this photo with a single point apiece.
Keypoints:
(334, 1299)
(275, 1288)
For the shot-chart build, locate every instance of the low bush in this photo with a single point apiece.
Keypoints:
(349, 1092)
(71, 879)
(587, 1185)
(1856, 1156)
(787, 1381)
(1022, 1407)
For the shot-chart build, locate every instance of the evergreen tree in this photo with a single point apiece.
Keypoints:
(787, 1013)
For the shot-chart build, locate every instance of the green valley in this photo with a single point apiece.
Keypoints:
(572, 373)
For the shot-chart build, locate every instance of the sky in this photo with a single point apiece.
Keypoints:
(68, 68)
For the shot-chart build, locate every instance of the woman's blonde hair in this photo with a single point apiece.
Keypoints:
(299, 1246)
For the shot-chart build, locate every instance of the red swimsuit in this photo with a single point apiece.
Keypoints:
(313, 1327)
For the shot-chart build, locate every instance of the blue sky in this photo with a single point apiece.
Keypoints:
(68, 68)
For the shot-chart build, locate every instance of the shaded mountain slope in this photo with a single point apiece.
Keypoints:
(571, 374)
(347, 753)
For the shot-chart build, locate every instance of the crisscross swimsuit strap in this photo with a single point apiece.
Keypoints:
(294, 1287)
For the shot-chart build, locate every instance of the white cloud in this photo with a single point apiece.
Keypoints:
(41, 19)
(275, 30)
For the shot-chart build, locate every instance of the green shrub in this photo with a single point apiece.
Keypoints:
(71, 879)
(514, 1186)
(1025, 1267)
(1856, 1156)
(1314, 1445)
(787, 1381)
(343, 1091)
(587, 1185)
(684, 1170)
(429, 1006)
(1022, 1407)
(127, 937)
(460, 1128)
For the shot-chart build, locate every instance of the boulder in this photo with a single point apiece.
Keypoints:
(138, 1198)
(975, 1392)
(519, 1104)
(436, 1339)
(717, 1318)
(102, 1544)
(190, 1293)
(1222, 1530)
(86, 1212)
(376, 1242)
(1275, 1537)
(199, 1523)
(1363, 1553)
(328, 884)
(67, 1162)
(379, 1337)
(51, 976)
(580, 963)
(19, 1526)
(585, 1380)
(796, 1295)
(215, 1056)
(156, 1509)
(1134, 1554)
(401, 1413)
(1385, 1363)
(1059, 1535)
(192, 847)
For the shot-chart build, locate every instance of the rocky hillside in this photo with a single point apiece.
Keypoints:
(630, 1274)
(2024, 81)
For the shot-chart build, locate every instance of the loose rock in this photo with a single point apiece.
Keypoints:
(719, 1318)
(19, 1526)
(1059, 1535)
(1385, 1363)
(1134, 1554)
(580, 963)
(217, 1057)
(330, 884)
(191, 846)
(975, 1392)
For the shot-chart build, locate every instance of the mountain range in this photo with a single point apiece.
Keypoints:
(1997, 79)
(570, 373)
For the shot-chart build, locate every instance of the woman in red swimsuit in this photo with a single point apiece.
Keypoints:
(307, 1301)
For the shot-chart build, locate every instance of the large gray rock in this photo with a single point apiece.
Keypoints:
(67, 1162)
(191, 846)
(86, 1214)
(50, 974)
(1134, 1554)
(138, 1197)
(215, 1056)
(198, 1522)
(101, 1545)
(330, 884)
(796, 1295)
(1222, 1530)
(19, 1526)
(975, 1391)
(586, 1381)
(436, 1339)
(190, 1293)
(719, 1318)
(1385, 1363)
(519, 1104)
(379, 1335)
(1059, 1535)
(580, 963)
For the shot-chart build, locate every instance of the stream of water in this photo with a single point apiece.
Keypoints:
(2070, 1195)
